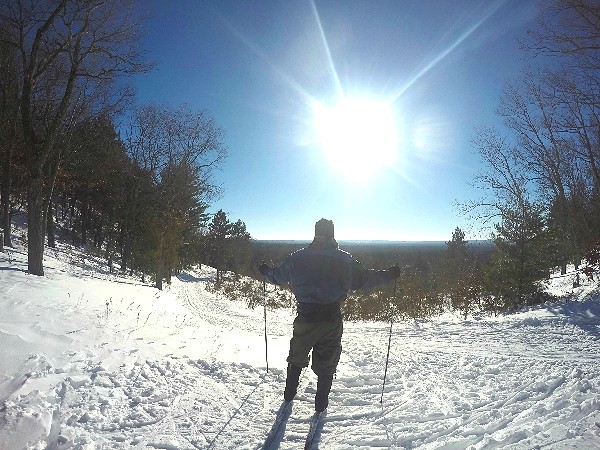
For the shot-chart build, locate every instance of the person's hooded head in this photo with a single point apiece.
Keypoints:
(324, 231)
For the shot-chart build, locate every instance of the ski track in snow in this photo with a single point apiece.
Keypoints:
(188, 372)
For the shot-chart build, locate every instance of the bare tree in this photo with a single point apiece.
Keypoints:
(522, 241)
(9, 129)
(570, 32)
(534, 111)
(580, 120)
(66, 48)
(180, 149)
(159, 136)
(503, 182)
(569, 28)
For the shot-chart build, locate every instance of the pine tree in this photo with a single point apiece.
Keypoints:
(219, 230)
(460, 280)
(525, 253)
(239, 255)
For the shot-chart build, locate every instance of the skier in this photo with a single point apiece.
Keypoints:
(321, 275)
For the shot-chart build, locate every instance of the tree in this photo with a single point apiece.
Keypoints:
(525, 247)
(571, 29)
(239, 255)
(544, 185)
(525, 254)
(460, 277)
(92, 175)
(580, 122)
(504, 183)
(66, 47)
(456, 248)
(10, 138)
(227, 244)
(570, 32)
(219, 231)
(533, 111)
(178, 149)
(179, 216)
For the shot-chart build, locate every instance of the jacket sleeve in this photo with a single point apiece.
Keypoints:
(364, 279)
(281, 274)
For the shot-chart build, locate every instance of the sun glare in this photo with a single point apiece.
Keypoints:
(357, 135)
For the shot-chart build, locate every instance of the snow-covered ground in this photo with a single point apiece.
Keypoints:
(89, 360)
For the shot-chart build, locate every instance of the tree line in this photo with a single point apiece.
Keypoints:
(133, 182)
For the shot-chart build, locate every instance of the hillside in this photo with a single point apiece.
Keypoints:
(90, 360)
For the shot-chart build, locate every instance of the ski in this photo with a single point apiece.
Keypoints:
(315, 424)
(283, 413)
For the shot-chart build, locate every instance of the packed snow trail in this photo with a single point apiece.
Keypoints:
(89, 360)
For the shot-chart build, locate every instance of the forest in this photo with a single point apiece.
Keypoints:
(81, 161)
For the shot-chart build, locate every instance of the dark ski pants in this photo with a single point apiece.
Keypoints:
(325, 340)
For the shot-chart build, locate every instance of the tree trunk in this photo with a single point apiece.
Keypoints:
(5, 196)
(47, 207)
(160, 265)
(128, 224)
(72, 214)
(73, 223)
(593, 165)
(98, 232)
(35, 226)
(159, 277)
(50, 227)
(85, 215)
(108, 237)
(64, 207)
(5, 225)
(125, 249)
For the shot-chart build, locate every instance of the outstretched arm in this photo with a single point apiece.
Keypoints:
(364, 279)
(277, 275)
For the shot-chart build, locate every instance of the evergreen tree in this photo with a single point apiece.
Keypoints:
(219, 231)
(227, 245)
(178, 149)
(91, 175)
(456, 248)
(460, 277)
(179, 216)
(525, 253)
(239, 254)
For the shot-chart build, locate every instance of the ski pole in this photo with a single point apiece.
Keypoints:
(265, 311)
(387, 358)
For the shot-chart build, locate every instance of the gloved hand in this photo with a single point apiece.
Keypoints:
(395, 271)
(263, 269)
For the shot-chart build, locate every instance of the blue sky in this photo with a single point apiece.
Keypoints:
(260, 67)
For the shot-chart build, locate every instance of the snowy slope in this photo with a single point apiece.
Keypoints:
(89, 360)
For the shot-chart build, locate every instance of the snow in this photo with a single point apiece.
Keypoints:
(90, 360)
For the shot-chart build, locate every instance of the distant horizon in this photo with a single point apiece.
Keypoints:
(369, 241)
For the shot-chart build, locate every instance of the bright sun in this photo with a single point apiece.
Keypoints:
(357, 135)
